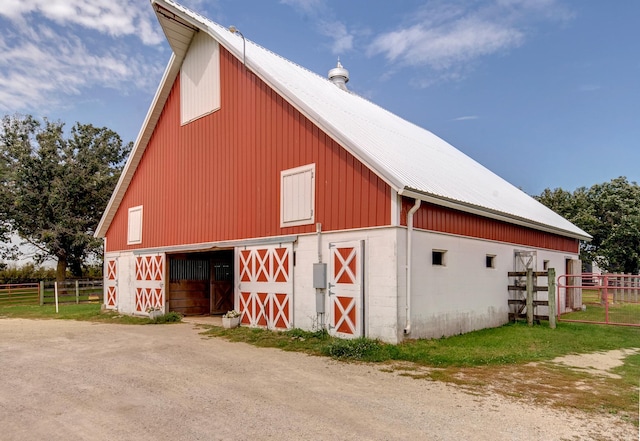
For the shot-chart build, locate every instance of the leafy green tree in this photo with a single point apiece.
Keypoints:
(54, 188)
(610, 212)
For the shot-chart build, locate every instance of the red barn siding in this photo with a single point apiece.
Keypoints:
(218, 178)
(435, 218)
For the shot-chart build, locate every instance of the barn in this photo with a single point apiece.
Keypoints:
(257, 185)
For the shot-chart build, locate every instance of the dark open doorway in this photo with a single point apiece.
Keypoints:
(201, 283)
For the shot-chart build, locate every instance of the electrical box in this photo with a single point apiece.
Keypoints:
(320, 275)
(319, 302)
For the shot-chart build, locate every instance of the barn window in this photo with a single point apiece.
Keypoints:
(545, 265)
(490, 261)
(134, 231)
(297, 195)
(438, 257)
(189, 270)
(200, 79)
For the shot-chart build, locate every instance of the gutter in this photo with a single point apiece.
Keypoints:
(410, 214)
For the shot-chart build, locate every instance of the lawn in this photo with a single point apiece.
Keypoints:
(622, 312)
(83, 311)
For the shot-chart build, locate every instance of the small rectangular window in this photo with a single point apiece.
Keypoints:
(134, 231)
(437, 257)
(297, 196)
(490, 261)
(545, 265)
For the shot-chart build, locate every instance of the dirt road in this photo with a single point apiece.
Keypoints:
(66, 380)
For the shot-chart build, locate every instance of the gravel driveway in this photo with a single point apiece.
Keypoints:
(67, 380)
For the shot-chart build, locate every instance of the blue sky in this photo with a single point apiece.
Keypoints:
(546, 93)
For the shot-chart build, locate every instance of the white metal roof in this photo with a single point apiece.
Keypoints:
(414, 161)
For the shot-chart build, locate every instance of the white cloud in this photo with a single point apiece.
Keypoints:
(465, 118)
(342, 39)
(446, 38)
(337, 31)
(305, 6)
(443, 47)
(54, 49)
(115, 17)
(589, 88)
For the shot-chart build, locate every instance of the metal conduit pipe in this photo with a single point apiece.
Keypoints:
(410, 214)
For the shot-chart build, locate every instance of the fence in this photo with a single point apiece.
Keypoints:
(605, 298)
(72, 291)
(20, 294)
(528, 305)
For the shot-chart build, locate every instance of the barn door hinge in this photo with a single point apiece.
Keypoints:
(329, 290)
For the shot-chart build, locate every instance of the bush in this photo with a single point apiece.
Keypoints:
(31, 273)
(357, 349)
(28, 273)
(170, 317)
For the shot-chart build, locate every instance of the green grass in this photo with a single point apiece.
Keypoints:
(626, 313)
(518, 343)
(619, 312)
(83, 311)
(515, 343)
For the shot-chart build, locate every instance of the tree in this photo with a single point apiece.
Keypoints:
(53, 188)
(610, 212)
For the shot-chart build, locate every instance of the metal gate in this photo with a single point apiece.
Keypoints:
(265, 288)
(346, 300)
(612, 299)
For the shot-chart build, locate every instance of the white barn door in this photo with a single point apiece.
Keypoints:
(346, 303)
(265, 285)
(111, 283)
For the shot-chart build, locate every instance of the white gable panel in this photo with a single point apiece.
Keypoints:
(200, 78)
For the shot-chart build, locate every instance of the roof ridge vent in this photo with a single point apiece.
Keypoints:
(339, 75)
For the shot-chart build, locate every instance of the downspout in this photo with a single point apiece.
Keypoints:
(410, 214)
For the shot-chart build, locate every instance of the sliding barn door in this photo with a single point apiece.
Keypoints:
(265, 289)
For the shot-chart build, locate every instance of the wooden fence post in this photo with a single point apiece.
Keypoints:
(41, 293)
(77, 293)
(530, 296)
(551, 277)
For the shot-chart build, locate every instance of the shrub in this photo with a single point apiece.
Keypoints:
(357, 349)
(170, 317)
